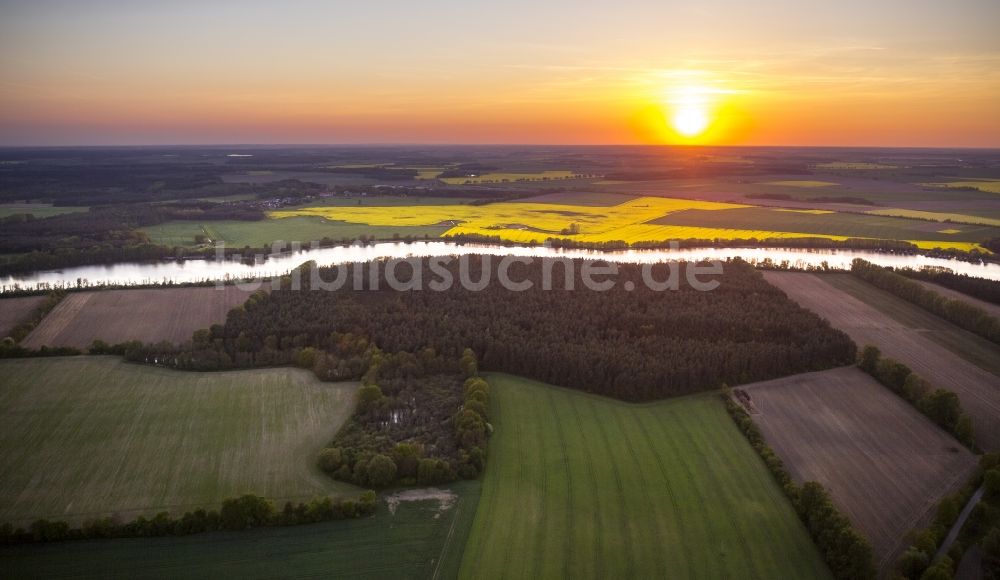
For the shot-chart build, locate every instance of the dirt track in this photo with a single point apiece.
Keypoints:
(978, 389)
(116, 316)
(885, 464)
(14, 311)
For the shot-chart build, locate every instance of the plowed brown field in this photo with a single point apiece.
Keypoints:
(14, 311)
(885, 464)
(978, 388)
(116, 316)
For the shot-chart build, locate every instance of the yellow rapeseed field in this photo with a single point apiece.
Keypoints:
(536, 222)
(518, 221)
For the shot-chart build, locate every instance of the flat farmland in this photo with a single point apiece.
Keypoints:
(885, 465)
(990, 308)
(579, 486)
(14, 311)
(115, 316)
(839, 224)
(95, 436)
(261, 234)
(947, 356)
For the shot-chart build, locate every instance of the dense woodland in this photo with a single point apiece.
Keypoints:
(638, 345)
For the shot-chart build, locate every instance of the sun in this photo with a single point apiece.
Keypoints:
(690, 121)
(690, 110)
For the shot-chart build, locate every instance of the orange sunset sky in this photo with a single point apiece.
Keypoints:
(778, 72)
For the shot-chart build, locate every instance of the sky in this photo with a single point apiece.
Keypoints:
(922, 73)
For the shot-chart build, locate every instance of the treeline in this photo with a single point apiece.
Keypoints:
(847, 553)
(101, 235)
(377, 172)
(982, 288)
(821, 199)
(244, 512)
(636, 345)
(23, 329)
(918, 561)
(892, 246)
(958, 312)
(939, 405)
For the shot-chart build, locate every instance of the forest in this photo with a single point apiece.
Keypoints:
(637, 345)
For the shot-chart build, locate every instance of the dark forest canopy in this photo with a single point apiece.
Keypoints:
(635, 345)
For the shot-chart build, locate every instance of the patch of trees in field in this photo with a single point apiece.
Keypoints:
(939, 405)
(847, 553)
(918, 561)
(414, 424)
(241, 513)
(958, 312)
(987, 290)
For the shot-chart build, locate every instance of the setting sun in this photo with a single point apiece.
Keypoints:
(690, 121)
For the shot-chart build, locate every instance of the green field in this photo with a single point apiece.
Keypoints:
(579, 486)
(419, 541)
(39, 210)
(837, 224)
(380, 201)
(92, 436)
(259, 234)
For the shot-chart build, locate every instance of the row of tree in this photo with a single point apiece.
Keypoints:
(918, 562)
(847, 553)
(939, 405)
(959, 312)
(982, 288)
(244, 512)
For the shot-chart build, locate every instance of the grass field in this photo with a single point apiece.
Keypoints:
(579, 486)
(943, 354)
(39, 210)
(800, 183)
(886, 465)
(837, 224)
(14, 311)
(94, 436)
(504, 177)
(987, 185)
(854, 165)
(153, 315)
(419, 540)
(263, 233)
